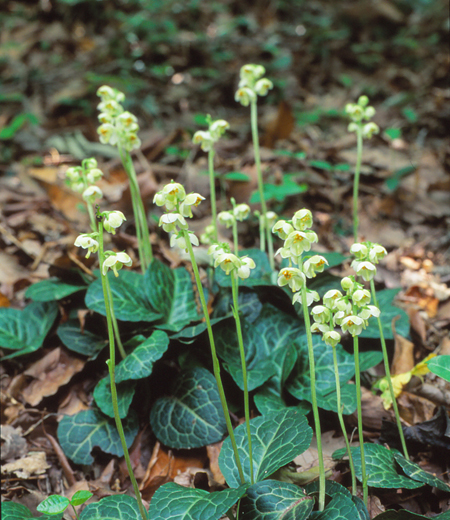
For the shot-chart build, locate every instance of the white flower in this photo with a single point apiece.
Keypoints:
(193, 199)
(354, 324)
(376, 253)
(332, 338)
(112, 220)
(74, 173)
(299, 241)
(204, 139)
(263, 86)
(170, 221)
(245, 96)
(174, 193)
(320, 327)
(131, 142)
(87, 242)
(180, 241)
(271, 216)
(92, 193)
(217, 128)
(359, 250)
(284, 252)
(311, 297)
(364, 269)
(369, 311)
(361, 297)
(315, 264)
(94, 175)
(107, 133)
(293, 277)
(347, 284)
(321, 314)
(330, 298)
(226, 218)
(110, 106)
(215, 250)
(115, 261)
(250, 73)
(106, 92)
(159, 199)
(369, 129)
(247, 264)
(241, 212)
(128, 121)
(282, 229)
(369, 112)
(302, 219)
(228, 262)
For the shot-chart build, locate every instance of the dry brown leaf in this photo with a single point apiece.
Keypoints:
(415, 409)
(15, 445)
(35, 463)
(213, 451)
(403, 356)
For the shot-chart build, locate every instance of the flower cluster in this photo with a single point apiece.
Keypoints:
(298, 239)
(230, 263)
(118, 127)
(179, 207)
(207, 139)
(366, 255)
(252, 84)
(82, 179)
(360, 112)
(239, 212)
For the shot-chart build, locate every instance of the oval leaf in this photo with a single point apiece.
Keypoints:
(415, 472)
(103, 397)
(13, 511)
(78, 434)
(440, 366)
(277, 438)
(176, 502)
(51, 289)
(117, 507)
(272, 500)
(80, 497)
(83, 342)
(192, 415)
(389, 311)
(53, 505)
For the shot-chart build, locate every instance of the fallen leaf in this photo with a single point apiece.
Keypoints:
(213, 451)
(403, 356)
(35, 463)
(15, 445)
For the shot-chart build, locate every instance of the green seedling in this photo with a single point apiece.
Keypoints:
(57, 504)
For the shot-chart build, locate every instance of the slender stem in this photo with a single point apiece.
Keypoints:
(262, 233)
(212, 185)
(235, 238)
(341, 420)
(215, 359)
(360, 425)
(92, 216)
(75, 511)
(114, 321)
(388, 373)
(234, 290)
(315, 409)
(254, 124)
(111, 367)
(359, 149)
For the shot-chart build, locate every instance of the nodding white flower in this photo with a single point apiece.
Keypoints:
(86, 241)
(355, 112)
(363, 100)
(105, 117)
(204, 139)
(320, 327)
(74, 173)
(226, 218)
(170, 221)
(218, 128)
(331, 297)
(359, 250)
(228, 262)
(92, 193)
(89, 163)
(284, 252)
(241, 212)
(112, 220)
(340, 315)
(128, 121)
(193, 199)
(352, 127)
(364, 269)
(347, 284)
(376, 253)
(283, 229)
(293, 277)
(247, 264)
(94, 175)
(250, 73)
(159, 199)
(354, 324)
(208, 235)
(369, 112)
(361, 297)
(115, 261)
(174, 192)
(299, 241)
(245, 96)
(369, 129)
(215, 250)
(321, 314)
(110, 106)
(315, 264)
(262, 86)
(180, 241)
(107, 133)
(105, 92)
(368, 311)
(131, 142)
(311, 297)
(302, 219)
(332, 338)
(271, 217)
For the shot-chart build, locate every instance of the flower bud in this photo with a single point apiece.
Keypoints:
(241, 212)
(226, 218)
(92, 193)
(74, 173)
(347, 284)
(363, 101)
(94, 175)
(112, 220)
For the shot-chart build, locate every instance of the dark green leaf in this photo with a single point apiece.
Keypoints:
(171, 292)
(175, 502)
(192, 415)
(117, 507)
(53, 505)
(51, 289)
(277, 438)
(128, 292)
(440, 366)
(188, 334)
(340, 507)
(261, 275)
(139, 363)
(80, 497)
(415, 472)
(236, 176)
(83, 342)
(25, 331)
(78, 434)
(103, 397)
(369, 359)
(407, 515)
(393, 181)
(272, 500)
(321, 165)
(13, 511)
(269, 399)
(348, 400)
(388, 312)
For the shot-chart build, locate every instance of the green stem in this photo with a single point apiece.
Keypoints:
(341, 420)
(359, 150)
(315, 409)
(212, 185)
(262, 233)
(92, 216)
(75, 511)
(360, 425)
(235, 238)
(111, 367)
(114, 321)
(388, 373)
(255, 137)
(234, 290)
(215, 359)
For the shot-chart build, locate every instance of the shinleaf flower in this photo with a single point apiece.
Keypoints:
(113, 220)
(115, 261)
